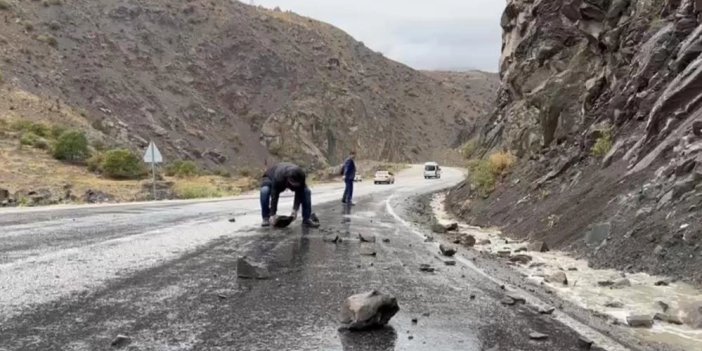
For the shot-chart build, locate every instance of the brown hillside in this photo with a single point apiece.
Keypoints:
(225, 83)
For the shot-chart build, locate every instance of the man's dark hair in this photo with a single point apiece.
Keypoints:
(298, 176)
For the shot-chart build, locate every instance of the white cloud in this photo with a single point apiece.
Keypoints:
(436, 34)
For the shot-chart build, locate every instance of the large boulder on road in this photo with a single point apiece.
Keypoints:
(368, 310)
(557, 278)
(246, 269)
(447, 251)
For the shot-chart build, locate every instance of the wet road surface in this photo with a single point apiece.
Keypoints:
(165, 275)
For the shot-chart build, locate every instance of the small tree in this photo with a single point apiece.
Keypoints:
(72, 145)
(122, 164)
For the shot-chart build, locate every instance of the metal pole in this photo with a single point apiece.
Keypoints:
(153, 171)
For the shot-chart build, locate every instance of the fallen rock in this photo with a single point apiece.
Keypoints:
(697, 128)
(639, 321)
(438, 228)
(517, 298)
(484, 242)
(668, 318)
(429, 239)
(335, 239)
(691, 313)
(249, 270)
(121, 341)
(522, 259)
(386, 240)
(605, 283)
(368, 252)
(662, 306)
(546, 310)
(584, 342)
(447, 251)
(662, 283)
(538, 246)
(537, 336)
(504, 253)
(451, 227)
(621, 283)
(508, 301)
(614, 304)
(450, 262)
(426, 268)
(366, 238)
(368, 310)
(521, 249)
(232, 220)
(557, 278)
(467, 240)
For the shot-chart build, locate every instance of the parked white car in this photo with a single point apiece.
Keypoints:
(432, 170)
(384, 177)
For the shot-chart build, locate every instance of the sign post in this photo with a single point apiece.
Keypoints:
(153, 156)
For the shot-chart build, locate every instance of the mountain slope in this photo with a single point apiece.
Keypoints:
(225, 83)
(600, 103)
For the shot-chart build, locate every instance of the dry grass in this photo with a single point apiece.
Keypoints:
(211, 187)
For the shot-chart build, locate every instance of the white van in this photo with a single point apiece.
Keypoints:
(432, 170)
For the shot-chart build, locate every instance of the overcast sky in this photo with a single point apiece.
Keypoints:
(424, 34)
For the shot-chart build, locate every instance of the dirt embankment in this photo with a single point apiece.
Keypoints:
(598, 106)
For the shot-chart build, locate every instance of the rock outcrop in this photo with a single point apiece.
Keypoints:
(601, 103)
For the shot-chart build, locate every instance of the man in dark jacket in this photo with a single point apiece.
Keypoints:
(276, 180)
(349, 173)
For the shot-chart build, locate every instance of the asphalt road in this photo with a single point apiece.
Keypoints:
(164, 274)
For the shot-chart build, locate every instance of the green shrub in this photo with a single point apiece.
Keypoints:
(182, 169)
(603, 144)
(469, 148)
(33, 140)
(122, 164)
(4, 5)
(197, 192)
(485, 173)
(57, 131)
(222, 172)
(72, 145)
(37, 128)
(95, 161)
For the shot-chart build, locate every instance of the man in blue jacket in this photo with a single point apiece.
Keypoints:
(349, 173)
(276, 180)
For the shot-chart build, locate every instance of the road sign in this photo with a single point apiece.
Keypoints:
(152, 155)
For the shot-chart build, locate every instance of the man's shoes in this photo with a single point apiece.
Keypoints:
(266, 223)
(310, 224)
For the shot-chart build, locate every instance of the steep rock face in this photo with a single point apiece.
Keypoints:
(575, 72)
(226, 83)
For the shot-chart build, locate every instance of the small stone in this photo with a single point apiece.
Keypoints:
(605, 283)
(450, 262)
(451, 227)
(662, 283)
(410, 337)
(426, 268)
(572, 269)
(504, 253)
(415, 320)
(557, 278)
(121, 341)
(662, 306)
(484, 242)
(426, 314)
(366, 238)
(222, 296)
(546, 310)
(639, 321)
(232, 220)
(447, 251)
(386, 240)
(368, 252)
(472, 296)
(508, 301)
(614, 304)
(522, 259)
(249, 270)
(668, 318)
(429, 239)
(537, 336)
(521, 249)
(538, 246)
(621, 283)
(584, 342)
(517, 299)
(335, 239)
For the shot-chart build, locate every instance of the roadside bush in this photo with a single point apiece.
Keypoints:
(94, 163)
(182, 169)
(469, 148)
(222, 172)
(33, 140)
(122, 164)
(72, 145)
(485, 173)
(37, 128)
(603, 144)
(197, 191)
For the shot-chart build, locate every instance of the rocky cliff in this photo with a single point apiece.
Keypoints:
(225, 83)
(600, 103)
